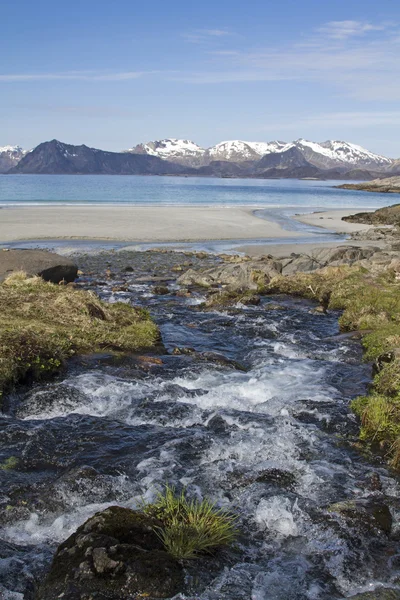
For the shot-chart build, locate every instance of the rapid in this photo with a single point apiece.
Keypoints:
(255, 416)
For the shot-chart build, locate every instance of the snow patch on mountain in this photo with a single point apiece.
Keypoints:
(12, 150)
(10, 156)
(238, 150)
(169, 148)
(324, 155)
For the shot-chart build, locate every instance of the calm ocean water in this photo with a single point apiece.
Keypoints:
(147, 190)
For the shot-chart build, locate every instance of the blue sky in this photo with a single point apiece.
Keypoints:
(113, 74)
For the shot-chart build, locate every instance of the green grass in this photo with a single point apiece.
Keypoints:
(190, 527)
(371, 305)
(42, 325)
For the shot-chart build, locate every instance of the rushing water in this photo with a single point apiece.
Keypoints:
(200, 191)
(271, 443)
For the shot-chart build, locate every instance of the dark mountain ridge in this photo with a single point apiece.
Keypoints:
(55, 157)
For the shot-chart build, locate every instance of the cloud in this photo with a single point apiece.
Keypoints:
(71, 76)
(90, 111)
(332, 120)
(339, 54)
(200, 36)
(341, 30)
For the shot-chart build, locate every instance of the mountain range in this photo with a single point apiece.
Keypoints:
(276, 159)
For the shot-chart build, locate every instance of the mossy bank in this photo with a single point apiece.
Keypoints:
(42, 325)
(371, 305)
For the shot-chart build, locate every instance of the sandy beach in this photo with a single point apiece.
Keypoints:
(153, 224)
(332, 219)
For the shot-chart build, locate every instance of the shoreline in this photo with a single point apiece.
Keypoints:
(146, 225)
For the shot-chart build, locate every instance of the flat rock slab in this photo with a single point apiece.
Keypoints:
(49, 266)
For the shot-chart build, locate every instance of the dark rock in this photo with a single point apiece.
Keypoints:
(184, 350)
(366, 514)
(49, 266)
(378, 594)
(385, 359)
(161, 290)
(42, 400)
(220, 359)
(115, 555)
(128, 269)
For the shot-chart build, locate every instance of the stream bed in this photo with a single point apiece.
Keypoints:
(247, 405)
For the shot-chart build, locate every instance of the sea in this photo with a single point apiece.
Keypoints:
(179, 191)
(277, 200)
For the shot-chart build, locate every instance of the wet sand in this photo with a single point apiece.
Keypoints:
(153, 224)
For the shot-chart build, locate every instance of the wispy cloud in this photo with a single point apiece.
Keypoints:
(200, 36)
(355, 57)
(341, 30)
(71, 76)
(333, 120)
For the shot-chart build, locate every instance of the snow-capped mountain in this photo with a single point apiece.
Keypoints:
(239, 151)
(174, 150)
(10, 156)
(324, 155)
(333, 153)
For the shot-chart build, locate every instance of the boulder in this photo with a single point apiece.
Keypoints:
(49, 266)
(115, 555)
(244, 275)
(323, 257)
(365, 514)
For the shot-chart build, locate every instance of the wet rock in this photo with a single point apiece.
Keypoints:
(184, 293)
(160, 290)
(272, 306)
(51, 267)
(366, 514)
(218, 425)
(128, 269)
(378, 594)
(220, 359)
(280, 478)
(115, 555)
(183, 350)
(229, 298)
(41, 400)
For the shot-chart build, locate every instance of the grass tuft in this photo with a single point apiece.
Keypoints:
(190, 527)
(42, 325)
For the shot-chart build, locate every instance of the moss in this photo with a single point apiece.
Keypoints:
(387, 381)
(42, 325)
(230, 297)
(190, 527)
(9, 464)
(370, 304)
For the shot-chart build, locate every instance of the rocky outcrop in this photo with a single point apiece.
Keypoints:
(243, 274)
(247, 275)
(388, 215)
(115, 555)
(323, 257)
(49, 266)
(389, 185)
